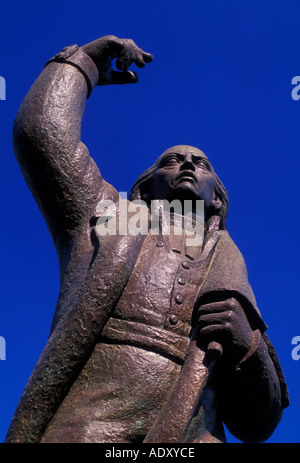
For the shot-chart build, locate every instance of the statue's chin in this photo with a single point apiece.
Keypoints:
(184, 190)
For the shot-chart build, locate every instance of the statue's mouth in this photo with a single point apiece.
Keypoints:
(186, 177)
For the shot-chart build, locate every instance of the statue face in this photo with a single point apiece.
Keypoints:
(184, 172)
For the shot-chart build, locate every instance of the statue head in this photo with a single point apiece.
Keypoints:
(183, 172)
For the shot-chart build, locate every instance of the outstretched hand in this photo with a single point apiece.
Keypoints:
(105, 49)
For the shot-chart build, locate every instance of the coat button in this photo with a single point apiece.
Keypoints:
(160, 244)
(186, 265)
(181, 281)
(173, 319)
(179, 299)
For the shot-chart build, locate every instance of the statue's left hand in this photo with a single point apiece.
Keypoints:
(225, 322)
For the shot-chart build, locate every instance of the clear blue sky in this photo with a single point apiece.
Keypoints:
(221, 81)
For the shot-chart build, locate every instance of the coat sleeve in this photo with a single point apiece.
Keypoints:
(228, 277)
(57, 166)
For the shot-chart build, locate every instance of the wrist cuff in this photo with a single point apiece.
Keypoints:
(74, 56)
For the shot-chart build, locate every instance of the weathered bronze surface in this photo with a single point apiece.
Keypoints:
(153, 340)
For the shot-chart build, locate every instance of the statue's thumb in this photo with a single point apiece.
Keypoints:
(126, 77)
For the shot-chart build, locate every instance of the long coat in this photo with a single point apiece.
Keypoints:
(67, 186)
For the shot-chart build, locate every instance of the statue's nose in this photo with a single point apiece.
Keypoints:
(187, 164)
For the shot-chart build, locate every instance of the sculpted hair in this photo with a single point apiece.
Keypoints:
(141, 190)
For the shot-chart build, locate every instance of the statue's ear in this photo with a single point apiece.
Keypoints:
(216, 203)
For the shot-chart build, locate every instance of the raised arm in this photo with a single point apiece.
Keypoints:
(62, 176)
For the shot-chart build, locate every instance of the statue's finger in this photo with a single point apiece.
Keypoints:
(142, 58)
(139, 61)
(147, 57)
(123, 63)
(127, 77)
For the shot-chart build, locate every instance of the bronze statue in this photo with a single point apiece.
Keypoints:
(152, 340)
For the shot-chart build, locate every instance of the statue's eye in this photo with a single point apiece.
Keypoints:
(171, 160)
(202, 163)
